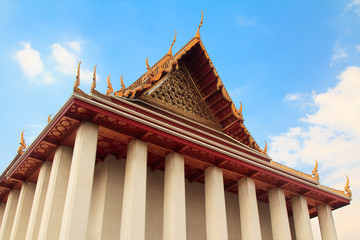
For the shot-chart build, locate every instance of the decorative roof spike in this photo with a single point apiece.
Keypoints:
(49, 118)
(265, 148)
(121, 92)
(197, 35)
(315, 171)
(241, 107)
(22, 146)
(93, 84)
(77, 81)
(170, 49)
(123, 87)
(147, 64)
(109, 86)
(347, 187)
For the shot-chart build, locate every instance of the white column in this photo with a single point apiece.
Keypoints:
(2, 209)
(78, 194)
(23, 210)
(326, 222)
(174, 227)
(278, 213)
(56, 193)
(301, 218)
(134, 197)
(106, 201)
(216, 225)
(249, 214)
(9, 214)
(38, 202)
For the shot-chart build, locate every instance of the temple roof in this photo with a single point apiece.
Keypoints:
(187, 79)
(179, 105)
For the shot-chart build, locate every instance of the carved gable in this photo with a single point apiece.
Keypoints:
(178, 93)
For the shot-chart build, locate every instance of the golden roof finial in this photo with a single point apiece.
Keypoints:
(77, 81)
(241, 107)
(170, 50)
(122, 83)
(110, 89)
(315, 171)
(347, 187)
(265, 148)
(147, 64)
(121, 92)
(197, 35)
(93, 84)
(49, 118)
(22, 143)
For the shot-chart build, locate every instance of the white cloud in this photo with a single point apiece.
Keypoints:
(357, 47)
(242, 20)
(75, 46)
(86, 75)
(65, 56)
(339, 54)
(65, 60)
(292, 97)
(332, 136)
(32, 65)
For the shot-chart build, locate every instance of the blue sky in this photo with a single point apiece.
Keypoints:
(294, 65)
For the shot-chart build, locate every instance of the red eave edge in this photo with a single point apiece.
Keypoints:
(81, 101)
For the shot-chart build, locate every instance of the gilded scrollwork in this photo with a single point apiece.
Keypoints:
(315, 171)
(110, 89)
(265, 149)
(121, 92)
(93, 84)
(22, 146)
(197, 35)
(347, 187)
(178, 91)
(170, 49)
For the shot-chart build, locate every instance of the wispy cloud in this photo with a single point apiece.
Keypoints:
(64, 55)
(292, 97)
(339, 54)
(332, 136)
(242, 20)
(355, 6)
(238, 92)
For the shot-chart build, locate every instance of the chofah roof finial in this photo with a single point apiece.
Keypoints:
(197, 35)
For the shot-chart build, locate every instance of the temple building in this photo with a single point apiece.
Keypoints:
(168, 157)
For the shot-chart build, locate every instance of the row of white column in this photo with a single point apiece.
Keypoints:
(73, 200)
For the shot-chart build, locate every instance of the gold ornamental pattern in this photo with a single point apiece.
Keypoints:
(178, 91)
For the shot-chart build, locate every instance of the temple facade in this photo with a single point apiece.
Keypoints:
(168, 157)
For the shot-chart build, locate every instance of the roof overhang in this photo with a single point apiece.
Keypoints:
(122, 120)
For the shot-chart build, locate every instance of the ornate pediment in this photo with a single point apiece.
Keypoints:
(178, 93)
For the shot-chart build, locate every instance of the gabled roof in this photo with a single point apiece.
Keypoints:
(185, 83)
(194, 60)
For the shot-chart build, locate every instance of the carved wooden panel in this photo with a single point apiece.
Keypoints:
(179, 94)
